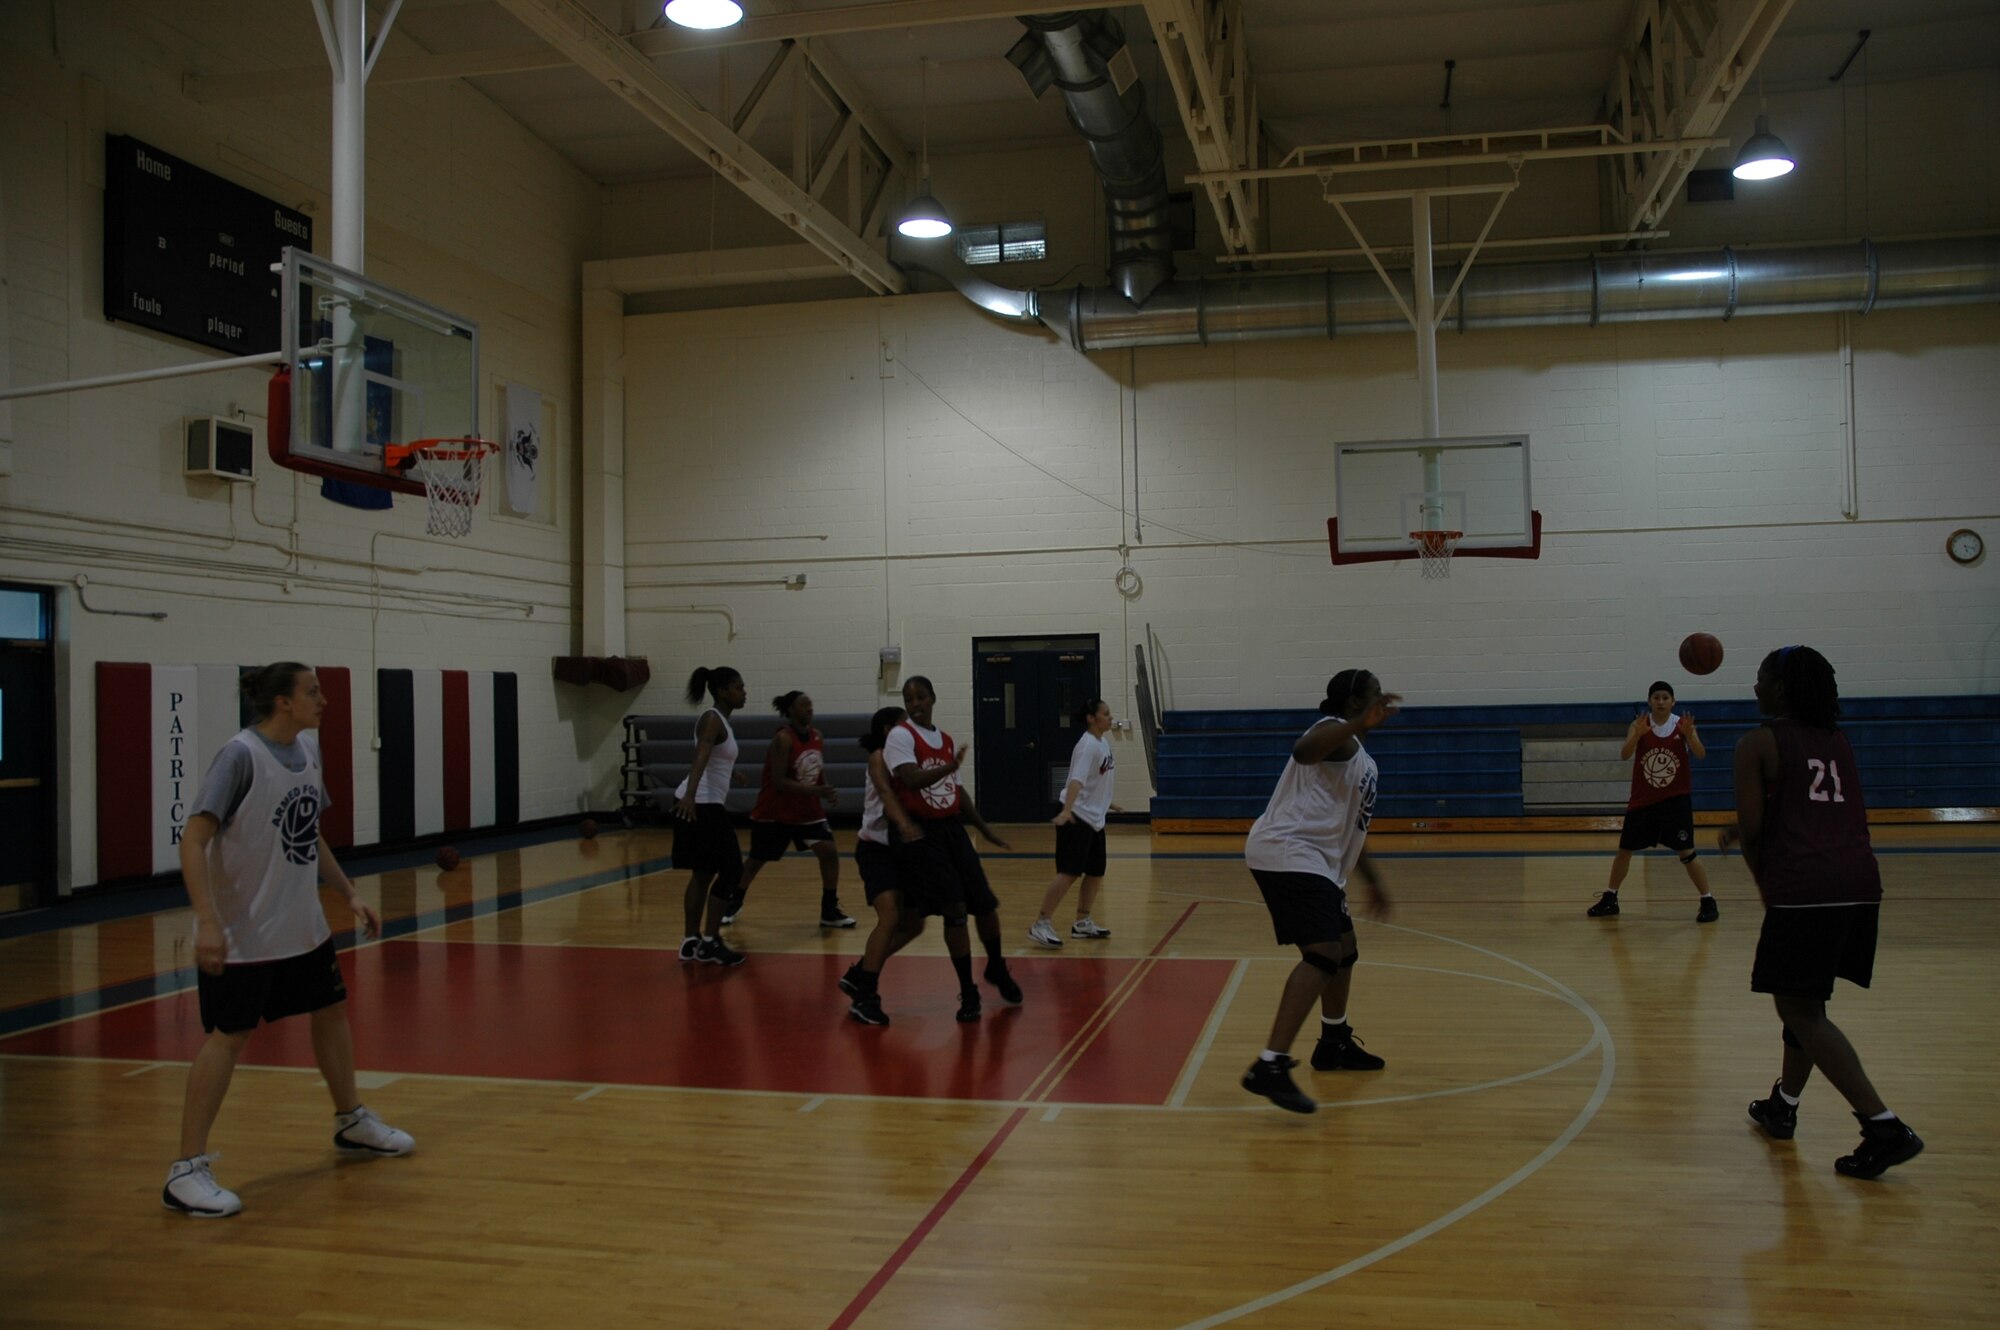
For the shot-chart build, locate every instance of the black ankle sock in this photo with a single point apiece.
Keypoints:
(963, 964)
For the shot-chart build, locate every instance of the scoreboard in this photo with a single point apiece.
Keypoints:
(189, 253)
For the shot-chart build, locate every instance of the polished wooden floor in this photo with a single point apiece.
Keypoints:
(1558, 1140)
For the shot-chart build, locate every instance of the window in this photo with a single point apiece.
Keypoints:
(24, 614)
(1003, 242)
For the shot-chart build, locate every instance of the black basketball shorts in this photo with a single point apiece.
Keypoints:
(243, 995)
(1670, 822)
(769, 840)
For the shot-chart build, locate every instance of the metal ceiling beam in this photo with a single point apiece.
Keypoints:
(1368, 166)
(710, 268)
(208, 88)
(570, 27)
(1683, 65)
(1205, 55)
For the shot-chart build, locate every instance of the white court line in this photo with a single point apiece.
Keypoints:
(1202, 1045)
(141, 1071)
(592, 1092)
(812, 1103)
(1052, 1114)
(1600, 1038)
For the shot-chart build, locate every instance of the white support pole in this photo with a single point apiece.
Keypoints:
(349, 390)
(1425, 318)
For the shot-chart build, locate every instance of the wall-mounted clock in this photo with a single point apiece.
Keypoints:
(1964, 545)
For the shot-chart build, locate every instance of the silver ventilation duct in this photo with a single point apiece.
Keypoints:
(1615, 288)
(1084, 54)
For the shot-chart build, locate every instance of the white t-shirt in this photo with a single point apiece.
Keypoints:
(263, 866)
(1317, 820)
(1090, 766)
(874, 820)
(721, 764)
(901, 751)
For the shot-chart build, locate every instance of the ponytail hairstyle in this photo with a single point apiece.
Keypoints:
(782, 703)
(1811, 695)
(879, 725)
(1341, 690)
(710, 681)
(1087, 710)
(262, 687)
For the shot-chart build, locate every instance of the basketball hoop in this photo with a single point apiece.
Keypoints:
(1436, 548)
(451, 470)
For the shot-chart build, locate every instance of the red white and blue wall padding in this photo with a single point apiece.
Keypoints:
(158, 729)
(451, 752)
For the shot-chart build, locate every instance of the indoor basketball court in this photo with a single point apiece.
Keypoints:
(612, 406)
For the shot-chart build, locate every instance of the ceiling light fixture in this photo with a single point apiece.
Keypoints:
(924, 218)
(704, 15)
(1765, 156)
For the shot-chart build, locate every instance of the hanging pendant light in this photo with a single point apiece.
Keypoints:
(923, 217)
(1765, 156)
(704, 15)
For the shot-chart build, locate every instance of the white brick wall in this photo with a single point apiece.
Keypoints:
(465, 209)
(1689, 475)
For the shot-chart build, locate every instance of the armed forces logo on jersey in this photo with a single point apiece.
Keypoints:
(297, 821)
(1660, 766)
(944, 794)
(809, 765)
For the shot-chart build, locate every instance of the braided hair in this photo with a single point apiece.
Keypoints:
(1811, 695)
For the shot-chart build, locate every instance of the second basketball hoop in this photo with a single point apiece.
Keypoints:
(1435, 548)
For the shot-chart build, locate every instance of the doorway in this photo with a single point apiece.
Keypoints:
(27, 747)
(1026, 691)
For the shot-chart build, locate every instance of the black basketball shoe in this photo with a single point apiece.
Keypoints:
(1883, 1146)
(1273, 1080)
(1606, 906)
(1339, 1050)
(1778, 1118)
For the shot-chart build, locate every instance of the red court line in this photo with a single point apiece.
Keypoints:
(929, 1222)
(1186, 914)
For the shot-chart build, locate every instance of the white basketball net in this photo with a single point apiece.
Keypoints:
(1436, 548)
(451, 473)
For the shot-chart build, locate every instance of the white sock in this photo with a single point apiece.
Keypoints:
(1707, 894)
(691, 937)
(1884, 1116)
(1334, 1020)
(1269, 1055)
(1791, 1101)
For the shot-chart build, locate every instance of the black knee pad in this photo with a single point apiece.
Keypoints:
(1689, 857)
(1791, 1040)
(954, 920)
(1330, 964)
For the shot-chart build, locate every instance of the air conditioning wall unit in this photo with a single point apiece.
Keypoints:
(218, 446)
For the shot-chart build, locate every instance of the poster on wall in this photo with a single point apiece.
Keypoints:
(524, 448)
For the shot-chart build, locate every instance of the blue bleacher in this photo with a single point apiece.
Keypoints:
(1465, 761)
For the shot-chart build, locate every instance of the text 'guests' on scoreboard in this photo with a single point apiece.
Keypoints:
(189, 253)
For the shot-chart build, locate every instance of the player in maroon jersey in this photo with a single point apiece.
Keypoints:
(791, 809)
(940, 869)
(1660, 810)
(1804, 831)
